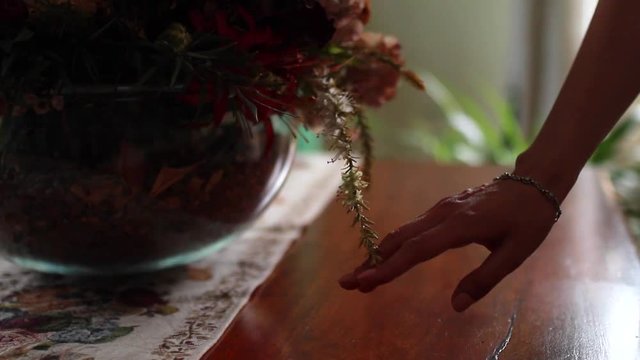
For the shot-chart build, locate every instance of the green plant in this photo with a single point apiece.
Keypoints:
(490, 133)
(609, 148)
(475, 133)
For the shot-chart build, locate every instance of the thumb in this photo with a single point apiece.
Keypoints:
(494, 269)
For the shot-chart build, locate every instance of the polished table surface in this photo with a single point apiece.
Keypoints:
(577, 297)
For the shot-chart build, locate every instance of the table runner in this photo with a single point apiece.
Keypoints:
(175, 314)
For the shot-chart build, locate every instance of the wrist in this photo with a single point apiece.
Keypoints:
(552, 172)
(551, 197)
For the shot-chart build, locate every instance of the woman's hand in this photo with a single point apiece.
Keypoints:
(509, 218)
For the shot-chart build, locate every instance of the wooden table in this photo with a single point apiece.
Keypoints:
(577, 297)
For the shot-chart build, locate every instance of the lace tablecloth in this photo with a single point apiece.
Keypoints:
(176, 314)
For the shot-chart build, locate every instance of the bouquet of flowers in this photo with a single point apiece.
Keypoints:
(305, 62)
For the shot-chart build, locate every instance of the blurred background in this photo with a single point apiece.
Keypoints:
(493, 69)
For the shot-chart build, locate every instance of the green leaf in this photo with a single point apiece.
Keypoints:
(250, 105)
(440, 148)
(176, 71)
(90, 66)
(607, 149)
(455, 115)
(100, 31)
(24, 35)
(490, 134)
(333, 49)
(6, 64)
(511, 128)
(147, 76)
(488, 128)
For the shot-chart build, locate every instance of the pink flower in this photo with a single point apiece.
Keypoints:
(386, 45)
(375, 85)
(374, 81)
(338, 9)
(348, 31)
(349, 18)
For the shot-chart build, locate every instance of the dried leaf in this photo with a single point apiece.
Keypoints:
(78, 191)
(414, 79)
(195, 186)
(199, 274)
(172, 202)
(213, 181)
(121, 197)
(167, 177)
(132, 166)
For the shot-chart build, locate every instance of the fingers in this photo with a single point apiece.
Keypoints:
(421, 248)
(350, 280)
(432, 217)
(479, 282)
(394, 240)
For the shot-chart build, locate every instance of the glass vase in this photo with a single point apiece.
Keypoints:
(116, 182)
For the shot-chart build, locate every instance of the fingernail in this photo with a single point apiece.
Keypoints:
(462, 301)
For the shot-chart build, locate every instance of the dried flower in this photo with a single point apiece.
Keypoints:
(348, 31)
(414, 79)
(176, 37)
(385, 45)
(339, 9)
(374, 82)
(349, 17)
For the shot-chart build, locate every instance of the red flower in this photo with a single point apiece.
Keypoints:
(304, 26)
(276, 37)
(291, 25)
(195, 95)
(202, 23)
(13, 13)
(246, 39)
(268, 103)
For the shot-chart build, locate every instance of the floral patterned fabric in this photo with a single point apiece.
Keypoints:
(175, 314)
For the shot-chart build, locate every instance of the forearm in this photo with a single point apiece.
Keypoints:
(603, 81)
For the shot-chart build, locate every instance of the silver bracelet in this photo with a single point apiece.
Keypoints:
(529, 181)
